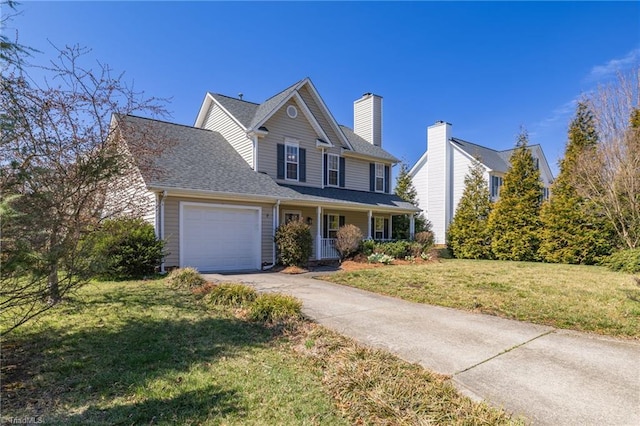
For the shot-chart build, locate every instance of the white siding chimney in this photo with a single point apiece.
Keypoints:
(439, 202)
(367, 118)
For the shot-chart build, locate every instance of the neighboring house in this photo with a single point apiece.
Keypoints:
(221, 188)
(439, 174)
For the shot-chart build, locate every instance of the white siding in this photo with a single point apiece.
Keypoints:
(419, 179)
(172, 227)
(460, 168)
(439, 179)
(367, 118)
(128, 196)
(217, 120)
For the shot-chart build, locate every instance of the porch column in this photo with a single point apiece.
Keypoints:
(390, 227)
(319, 233)
(412, 226)
(369, 216)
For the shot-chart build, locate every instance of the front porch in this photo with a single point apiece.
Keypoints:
(325, 222)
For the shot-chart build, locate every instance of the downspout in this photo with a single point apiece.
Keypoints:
(163, 195)
(275, 214)
(323, 168)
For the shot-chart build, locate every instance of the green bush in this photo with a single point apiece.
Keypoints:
(348, 240)
(275, 308)
(624, 261)
(294, 243)
(366, 247)
(186, 278)
(124, 248)
(230, 294)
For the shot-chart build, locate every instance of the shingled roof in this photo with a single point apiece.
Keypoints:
(202, 160)
(361, 146)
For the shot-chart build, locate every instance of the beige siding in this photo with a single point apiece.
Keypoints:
(217, 120)
(280, 127)
(357, 174)
(315, 109)
(128, 196)
(172, 227)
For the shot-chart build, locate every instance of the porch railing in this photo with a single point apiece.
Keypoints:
(328, 249)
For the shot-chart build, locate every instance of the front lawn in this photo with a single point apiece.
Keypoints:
(144, 353)
(585, 298)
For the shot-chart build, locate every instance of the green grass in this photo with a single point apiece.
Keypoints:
(145, 353)
(584, 298)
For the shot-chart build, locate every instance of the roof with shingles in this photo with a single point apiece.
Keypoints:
(243, 111)
(361, 146)
(489, 157)
(202, 160)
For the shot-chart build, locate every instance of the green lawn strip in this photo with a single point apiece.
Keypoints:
(584, 298)
(143, 353)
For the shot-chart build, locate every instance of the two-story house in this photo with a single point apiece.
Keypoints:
(438, 175)
(221, 188)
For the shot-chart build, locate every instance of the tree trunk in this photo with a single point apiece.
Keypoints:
(53, 296)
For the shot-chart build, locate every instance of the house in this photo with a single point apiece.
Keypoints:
(222, 187)
(439, 174)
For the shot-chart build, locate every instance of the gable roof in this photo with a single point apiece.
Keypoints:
(363, 147)
(268, 107)
(491, 158)
(202, 161)
(243, 111)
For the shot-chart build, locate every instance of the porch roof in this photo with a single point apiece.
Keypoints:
(347, 197)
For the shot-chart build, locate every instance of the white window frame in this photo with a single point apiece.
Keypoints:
(495, 188)
(330, 221)
(379, 167)
(286, 213)
(378, 220)
(331, 157)
(291, 144)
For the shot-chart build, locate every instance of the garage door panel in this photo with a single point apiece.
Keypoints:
(218, 238)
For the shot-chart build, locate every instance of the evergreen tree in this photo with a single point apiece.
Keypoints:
(468, 235)
(514, 222)
(573, 231)
(404, 189)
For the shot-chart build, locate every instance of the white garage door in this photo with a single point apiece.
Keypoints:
(220, 238)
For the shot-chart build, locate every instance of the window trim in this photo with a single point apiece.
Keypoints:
(376, 177)
(290, 212)
(329, 228)
(375, 227)
(494, 189)
(336, 170)
(294, 144)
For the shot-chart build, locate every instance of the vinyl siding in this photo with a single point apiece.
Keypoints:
(128, 196)
(280, 127)
(357, 174)
(420, 183)
(460, 169)
(438, 181)
(172, 227)
(315, 109)
(217, 120)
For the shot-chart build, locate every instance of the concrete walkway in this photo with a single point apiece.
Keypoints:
(550, 376)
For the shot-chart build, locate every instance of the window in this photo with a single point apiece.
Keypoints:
(333, 169)
(291, 215)
(378, 231)
(333, 223)
(536, 163)
(291, 161)
(379, 177)
(496, 183)
(545, 193)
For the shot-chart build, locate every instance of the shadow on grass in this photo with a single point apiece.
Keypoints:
(99, 369)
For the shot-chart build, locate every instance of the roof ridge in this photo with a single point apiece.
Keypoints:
(164, 122)
(235, 99)
(282, 91)
(476, 144)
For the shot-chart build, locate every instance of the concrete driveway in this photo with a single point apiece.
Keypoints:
(550, 376)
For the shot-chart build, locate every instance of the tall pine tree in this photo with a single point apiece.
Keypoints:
(514, 222)
(404, 189)
(468, 235)
(573, 231)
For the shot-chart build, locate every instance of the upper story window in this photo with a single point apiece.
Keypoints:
(496, 183)
(545, 193)
(379, 177)
(291, 161)
(333, 168)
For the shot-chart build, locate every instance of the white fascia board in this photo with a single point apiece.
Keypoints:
(307, 113)
(280, 105)
(416, 167)
(546, 163)
(332, 120)
(206, 103)
(469, 156)
(200, 193)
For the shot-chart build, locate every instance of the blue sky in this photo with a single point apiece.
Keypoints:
(487, 68)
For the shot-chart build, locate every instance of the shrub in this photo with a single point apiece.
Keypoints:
(186, 278)
(624, 261)
(294, 243)
(380, 258)
(348, 240)
(366, 247)
(124, 248)
(425, 238)
(230, 294)
(275, 308)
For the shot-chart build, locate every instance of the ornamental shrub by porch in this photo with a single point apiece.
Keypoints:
(348, 240)
(295, 243)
